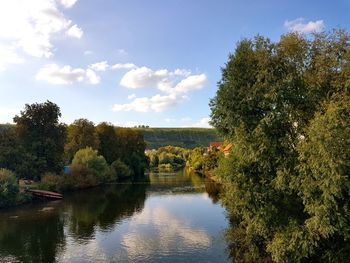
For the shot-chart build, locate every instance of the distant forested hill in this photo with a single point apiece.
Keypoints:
(182, 137)
(158, 137)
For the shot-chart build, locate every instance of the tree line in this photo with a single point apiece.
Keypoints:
(285, 107)
(38, 146)
(172, 158)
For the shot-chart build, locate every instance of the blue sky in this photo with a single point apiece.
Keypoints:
(134, 62)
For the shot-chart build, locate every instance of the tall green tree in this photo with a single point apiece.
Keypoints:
(81, 134)
(42, 138)
(109, 146)
(271, 100)
(132, 150)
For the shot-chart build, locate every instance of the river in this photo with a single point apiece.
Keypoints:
(173, 218)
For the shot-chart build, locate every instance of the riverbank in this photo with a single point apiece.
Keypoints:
(23, 197)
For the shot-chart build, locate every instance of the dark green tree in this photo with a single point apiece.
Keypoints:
(108, 146)
(42, 138)
(81, 134)
(132, 150)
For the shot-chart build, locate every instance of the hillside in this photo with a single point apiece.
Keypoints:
(182, 137)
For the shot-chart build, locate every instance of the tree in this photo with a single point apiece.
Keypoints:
(132, 150)
(42, 138)
(108, 146)
(274, 104)
(81, 134)
(90, 159)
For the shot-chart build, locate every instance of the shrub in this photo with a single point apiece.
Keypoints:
(51, 182)
(89, 158)
(8, 188)
(80, 177)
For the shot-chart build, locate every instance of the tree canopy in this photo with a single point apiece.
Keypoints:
(81, 134)
(42, 137)
(285, 108)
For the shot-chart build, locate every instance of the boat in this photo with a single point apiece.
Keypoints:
(45, 194)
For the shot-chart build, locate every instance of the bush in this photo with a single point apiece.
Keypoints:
(51, 182)
(80, 177)
(89, 158)
(8, 188)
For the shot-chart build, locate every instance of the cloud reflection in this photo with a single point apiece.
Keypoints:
(169, 233)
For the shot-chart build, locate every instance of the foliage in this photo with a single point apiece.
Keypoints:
(8, 188)
(121, 170)
(132, 150)
(285, 108)
(168, 158)
(42, 138)
(90, 159)
(196, 159)
(51, 182)
(11, 152)
(34, 148)
(109, 143)
(211, 159)
(81, 134)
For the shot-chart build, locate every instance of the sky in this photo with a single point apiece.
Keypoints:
(137, 62)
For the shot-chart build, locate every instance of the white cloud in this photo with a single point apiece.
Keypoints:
(182, 72)
(165, 81)
(299, 25)
(143, 77)
(190, 83)
(67, 3)
(8, 56)
(124, 66)
(53, 74)
(99, 66)
(65, 75)
(75, 31)
(30, 25)
(92, 77)
(202, 123)
(157, 103)
(132, 96)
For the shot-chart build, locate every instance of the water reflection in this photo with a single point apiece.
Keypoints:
(31, 237)
(171, 219)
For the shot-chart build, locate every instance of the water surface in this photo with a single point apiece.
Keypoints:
(173, 218)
